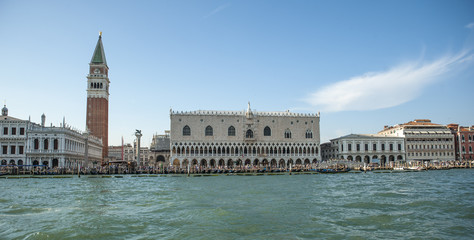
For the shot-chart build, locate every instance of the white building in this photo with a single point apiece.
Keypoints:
(228, 138)
(369, 148)
(28, 143)
(12, 139)
(425, 141)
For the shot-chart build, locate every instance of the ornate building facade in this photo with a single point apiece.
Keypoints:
(160, 150)
(229, 138)
(369, 148)
(424, 141)
(97, 118)
(28, 144)
(12, 139)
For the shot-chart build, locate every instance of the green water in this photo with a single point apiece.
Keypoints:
(412, 205)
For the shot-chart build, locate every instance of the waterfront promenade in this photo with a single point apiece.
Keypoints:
(339, 166)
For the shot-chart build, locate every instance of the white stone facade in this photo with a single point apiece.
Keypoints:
(229, 138)
(370, 148)
(62, 147)
(24, 143)
(12, 139)
(425, 141)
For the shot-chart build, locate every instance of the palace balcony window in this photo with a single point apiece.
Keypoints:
(55, 144)
(231, 131)
(209, 131)
(13, 131)
(358, 147)
(46, 144)
(391, 147)
(5, 149)
(309, 134)
(186, 131)
(20, 150)
(267, 131)
(349, 147)
(287, 133)
(399, 147)
(5, 131)
(36, 144)
(366, 147)
(383, 147)
(249, 134)
(374, 147)
(22, 131)
(12, 149)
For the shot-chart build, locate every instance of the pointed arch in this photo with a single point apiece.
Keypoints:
(231, 131)
(287, 133)
(209, 131)
(267, 131)
(249, 134)
(186, 131)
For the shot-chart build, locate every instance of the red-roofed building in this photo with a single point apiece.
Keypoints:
(464, 141)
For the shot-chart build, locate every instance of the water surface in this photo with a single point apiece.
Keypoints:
(412, 205)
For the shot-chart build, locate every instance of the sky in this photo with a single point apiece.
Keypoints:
(361, 64)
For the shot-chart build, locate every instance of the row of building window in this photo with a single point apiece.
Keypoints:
(429, 146)
(428, 139)
(427, 154)
(13, 131)
(464, 149)
(469, 137)
(13, 150)
(46, 144)
(374, 147)
(249, 134)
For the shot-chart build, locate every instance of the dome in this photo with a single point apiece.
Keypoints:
(4, 110)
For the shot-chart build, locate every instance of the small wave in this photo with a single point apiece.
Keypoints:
(37, 235)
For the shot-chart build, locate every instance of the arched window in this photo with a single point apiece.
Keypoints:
(231, 131)
(209, 131)
(267, 131)
(36, 144)
(463, 149)
(249, 134)
(309, 134)
(55, 144)
(287, 133)
(46, 144)
(186, 131)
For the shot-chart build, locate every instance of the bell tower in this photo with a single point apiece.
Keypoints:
(97, 119)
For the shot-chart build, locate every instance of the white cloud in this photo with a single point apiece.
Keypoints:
(218, 9)
(376, 90)
(470, 25)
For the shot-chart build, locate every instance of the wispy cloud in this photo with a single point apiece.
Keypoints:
(218, 9)
(470, 25)
(377, 90)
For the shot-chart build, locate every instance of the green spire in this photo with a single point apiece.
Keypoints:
(99, 55)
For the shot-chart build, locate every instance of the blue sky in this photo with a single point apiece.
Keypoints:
(362, 64)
